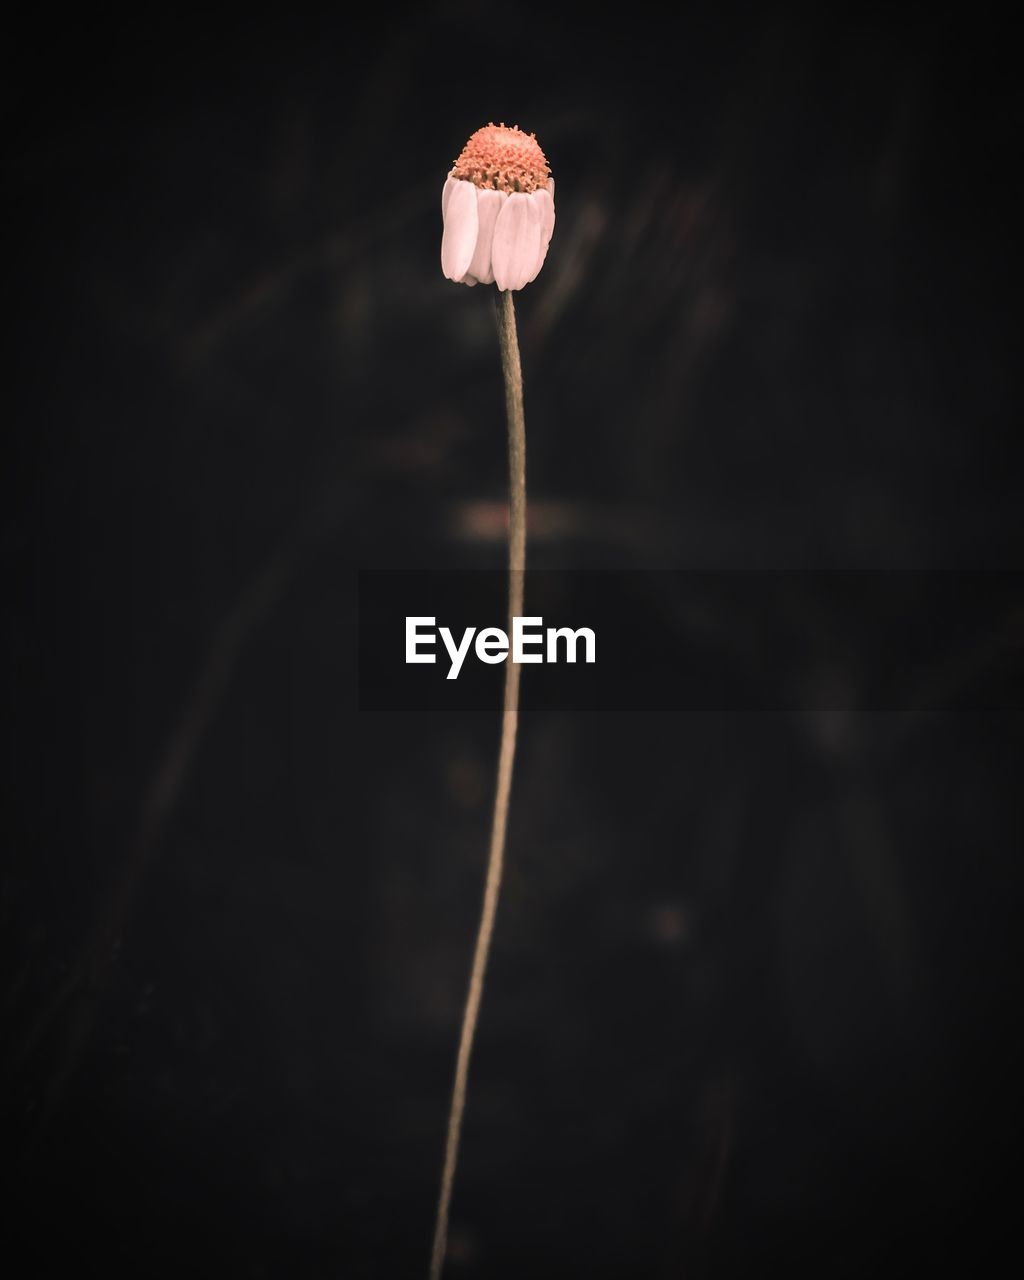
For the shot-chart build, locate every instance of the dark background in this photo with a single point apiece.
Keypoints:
(754, 997)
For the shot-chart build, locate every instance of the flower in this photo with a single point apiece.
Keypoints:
(498, 207)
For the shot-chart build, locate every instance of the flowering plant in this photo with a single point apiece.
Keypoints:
(498, 206)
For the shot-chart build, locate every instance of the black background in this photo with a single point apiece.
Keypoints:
(754, 998)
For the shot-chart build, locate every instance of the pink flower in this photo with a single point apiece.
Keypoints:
(498, 206)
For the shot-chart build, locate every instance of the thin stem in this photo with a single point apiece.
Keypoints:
(509, 721)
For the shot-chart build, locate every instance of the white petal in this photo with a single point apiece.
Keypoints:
(488, 206)
(547, 225)
(547, 214)
(540, 262)
(460, 228)
(515, 256)
(446, 192)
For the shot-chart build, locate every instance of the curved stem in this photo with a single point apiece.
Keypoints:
(509, 722)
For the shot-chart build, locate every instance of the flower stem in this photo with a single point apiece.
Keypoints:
(512, 370)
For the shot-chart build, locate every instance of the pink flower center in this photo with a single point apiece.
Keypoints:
(503, 159)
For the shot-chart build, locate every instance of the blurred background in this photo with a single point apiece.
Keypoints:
(754, 995)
